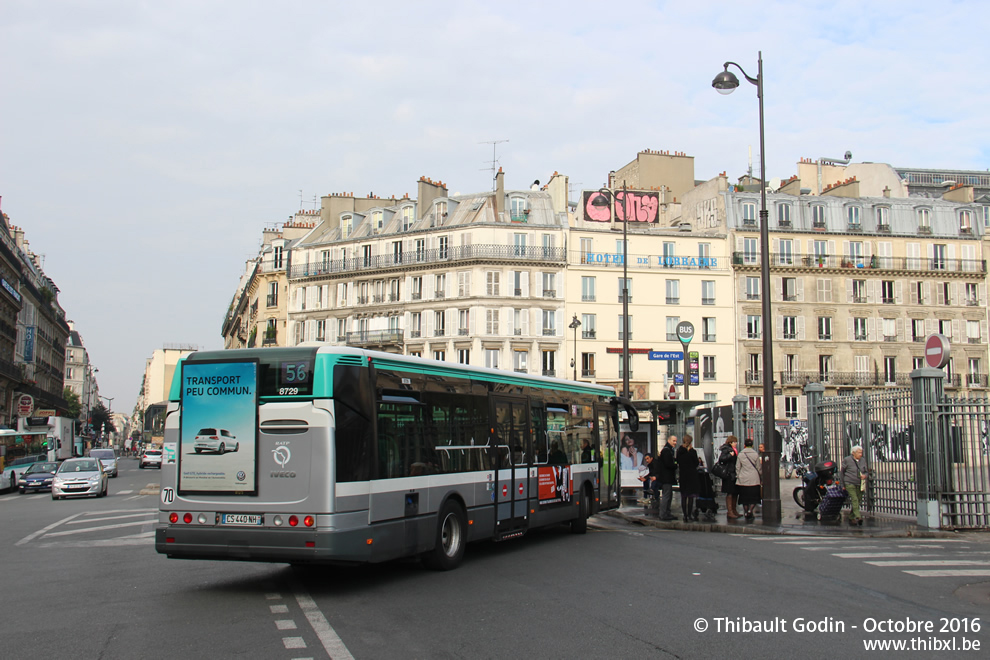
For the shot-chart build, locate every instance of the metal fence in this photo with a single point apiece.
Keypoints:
(959, 477)
(882, 424)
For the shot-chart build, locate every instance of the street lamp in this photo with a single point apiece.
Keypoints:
(605, 198)
(725, 83)
(574, 325)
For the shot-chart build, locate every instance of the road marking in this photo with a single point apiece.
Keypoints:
(845, 547)
(285, 624)
(103, 543)
(100, 528)
(952, 573)
(133, 497)
(877, 555)
(294, 642)
(931, 562)
(273, 596)
(38, 496)
(34, 535)
(127, 515)
(279, 609)
(124, 492)
(334, 646)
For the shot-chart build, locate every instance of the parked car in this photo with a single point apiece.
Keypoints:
(15, 468)
(38, 476)
(216, 440)
(151, 458)
(80, 476)
(109, 459)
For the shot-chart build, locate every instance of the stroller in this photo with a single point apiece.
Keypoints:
(707, 504)
(810, 494)
(830, 509)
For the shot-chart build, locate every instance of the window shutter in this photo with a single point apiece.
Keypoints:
(779, 327)
(953, 293)
(800, 328)
(940, 295)
(559, 322)
(900, 329)
(871, 329)
(525, 321)
(778, 286)
(849, 291)
(899, 292)
(981, 291)
(539, 285)
(930, 327)
(983, 331)
(525, 283)
(950, 253)
(926, 291)
(957, 332)
(800, 289)
(914, 293)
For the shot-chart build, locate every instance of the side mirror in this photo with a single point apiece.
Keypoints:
(631, 413)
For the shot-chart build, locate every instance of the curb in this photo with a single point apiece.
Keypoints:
(757, 530)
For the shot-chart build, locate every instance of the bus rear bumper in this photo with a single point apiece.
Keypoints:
(282, 545)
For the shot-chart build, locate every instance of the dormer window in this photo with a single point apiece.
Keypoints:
(883, 219)
(924, 217)
(749, 213)
(783, 215)
(517, 208)
(377, 221)
(439, 212)
(965, 221)
(277, 257)
(818, 216)
(346, 223)
(852, 216)
(407, 217)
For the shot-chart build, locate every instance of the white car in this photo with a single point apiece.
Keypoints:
(80, 476)
(151, 457)
(216, 440)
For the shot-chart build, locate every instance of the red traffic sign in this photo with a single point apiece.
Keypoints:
(505, 491)
(520, 488)
(673, 393)
(937, 351)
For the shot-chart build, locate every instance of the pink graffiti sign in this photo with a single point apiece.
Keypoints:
(637, 206)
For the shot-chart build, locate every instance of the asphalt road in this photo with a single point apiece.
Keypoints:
(81, 579)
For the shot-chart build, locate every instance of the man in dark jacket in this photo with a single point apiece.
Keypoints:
(667, 476)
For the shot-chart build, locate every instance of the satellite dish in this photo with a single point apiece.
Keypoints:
(774, 184)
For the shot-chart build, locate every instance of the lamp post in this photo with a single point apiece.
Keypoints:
(605, 198)
(725, 83)
(574, 325)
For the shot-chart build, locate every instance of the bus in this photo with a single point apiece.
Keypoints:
(323, 454)
(18, 449)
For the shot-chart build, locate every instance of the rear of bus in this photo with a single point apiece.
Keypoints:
(271, 498)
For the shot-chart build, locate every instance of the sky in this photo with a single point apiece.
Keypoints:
(144, 146)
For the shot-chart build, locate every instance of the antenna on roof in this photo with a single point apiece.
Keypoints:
(495, 162)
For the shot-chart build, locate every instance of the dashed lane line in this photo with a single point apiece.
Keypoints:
(952, 573)
(121, 517)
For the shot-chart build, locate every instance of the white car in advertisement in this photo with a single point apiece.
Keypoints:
(219, 441)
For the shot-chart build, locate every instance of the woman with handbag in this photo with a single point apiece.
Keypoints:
(726, 468)
(749, 479)
(687, 473)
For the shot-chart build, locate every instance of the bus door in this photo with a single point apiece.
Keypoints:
(510, 419)
(608, 459)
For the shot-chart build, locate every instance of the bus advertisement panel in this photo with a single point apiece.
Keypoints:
(217, 450)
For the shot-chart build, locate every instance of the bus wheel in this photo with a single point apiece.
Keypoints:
(580, 525)
(448, 551)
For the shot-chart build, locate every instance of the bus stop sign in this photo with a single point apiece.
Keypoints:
(685, 332)
(937, 351)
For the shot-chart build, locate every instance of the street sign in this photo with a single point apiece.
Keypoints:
(666, 355)
(937, 351)
(685, 332)
(673, 393)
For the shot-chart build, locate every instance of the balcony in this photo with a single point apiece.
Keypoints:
(976, 380)
(549, 293)
(620, 297)
(752, 296)
(924, 230)
(362, 300)
(439, 332)
(552, 373)
(972, 302)
(587, 298)
(919, 339)
(854, 226)
(708, 375)
(890, 337)
(953, 380)
(974, 340)
(883, 229)
(463, 253)
(754, 377)
(749, 222)
(393, 297)
(376, 338)
(621, 335)
(708, 338)
(824, 336)
(752, 335)
(270, 339)
(521, 370)
(588, 373)
(887, 300)
(789, 297)
(549, 332)
(707, 301)
(439, 295)
(673, 301)
(517, 332)
(790, 335)
(785, 262)
(588, 334)
(859, 336)
(861, 300)
(517, 292)
(784, 224)
(414, 334)
(463, 332)
(271, 300)
(818, 225)
(672, 336)
(417, 296)
(379, 298)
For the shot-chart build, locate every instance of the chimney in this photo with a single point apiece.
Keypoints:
(499, 194)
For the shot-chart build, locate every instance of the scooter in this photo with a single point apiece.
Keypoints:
(814, 485)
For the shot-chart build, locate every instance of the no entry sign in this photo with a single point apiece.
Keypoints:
(937, 351)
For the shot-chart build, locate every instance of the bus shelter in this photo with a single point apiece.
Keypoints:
(671, 416)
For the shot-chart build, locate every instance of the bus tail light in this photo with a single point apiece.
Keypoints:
(310, 544)
(293, 521)
(278, 521)
(187, 518)
(308, 521)
(173, 517)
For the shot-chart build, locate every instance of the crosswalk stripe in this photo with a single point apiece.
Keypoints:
(930, 562)
(124, 492)
(100, 528)
(952, 573)
(876, 555)
(844, 547)
(127, 515)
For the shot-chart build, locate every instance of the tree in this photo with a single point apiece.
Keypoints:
(100, 419)
(74, 405)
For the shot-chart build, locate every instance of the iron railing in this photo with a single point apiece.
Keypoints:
(866, 263)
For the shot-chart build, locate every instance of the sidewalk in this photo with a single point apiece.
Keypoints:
(793, 521)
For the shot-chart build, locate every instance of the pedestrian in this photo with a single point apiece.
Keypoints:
(586, 451)
(667, 476)
(749, 479)
(728, 454)
(687, 473)
(648, 475)
(853, 477)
